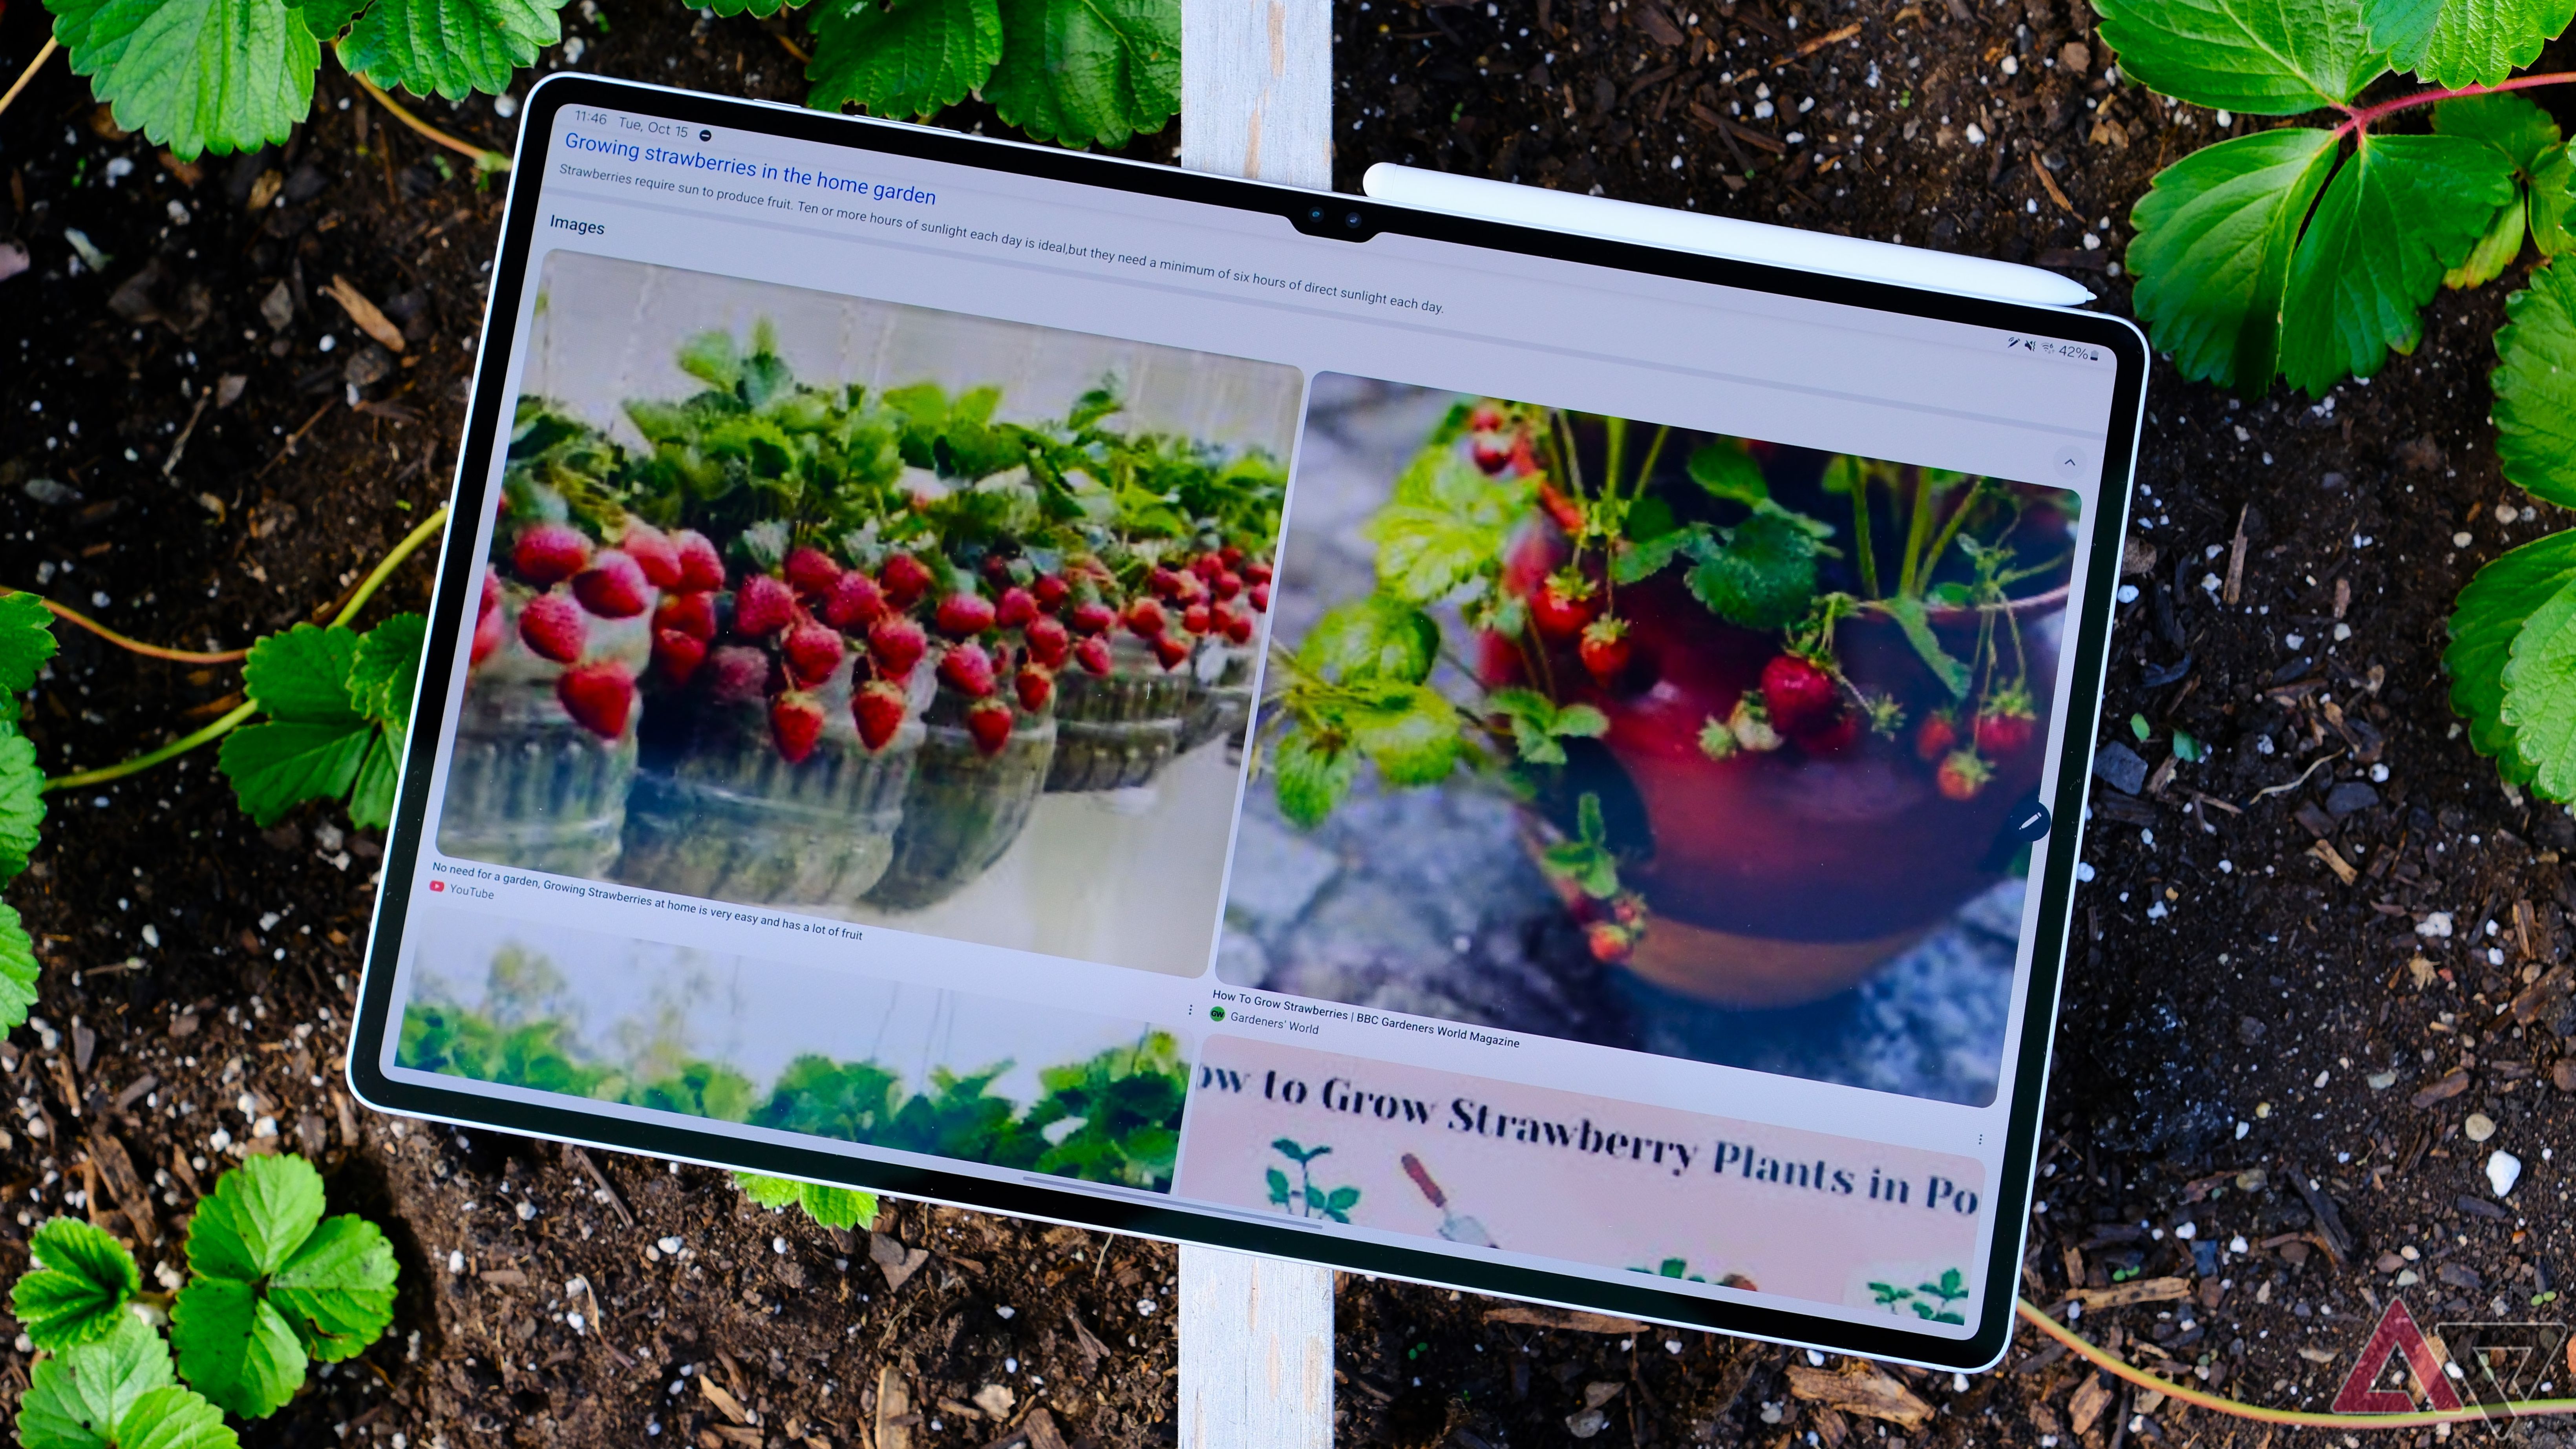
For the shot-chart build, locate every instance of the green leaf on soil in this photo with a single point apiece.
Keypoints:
(273, 1284)
(327, 18)
(17, 969)
(1764, 576)
(26, 642)
(913, 58)
(2400, 213)
(2535, 386)
(337, 1291)
(386, 671)
(259, 1214)
(2553, 198)
(22, 802)
(2494, 252)
(1079, 72)
(1409, 731)
(303, 674)
(757, 9)
(1729, 472)
(450, 48)
(275, 767)
(838, 1207)
(2488, 616)
(1916, 622)
(371, 798)
(2255, 59)
(769, 1192)
(2539, 708)
(79, 1398)
(1312, 780)
(234, 1348)
(174, 1418)
(1375, 637)
(2212, 253)
(2508, 122)
(78, 1288)
(194, 75)
(2464, 42)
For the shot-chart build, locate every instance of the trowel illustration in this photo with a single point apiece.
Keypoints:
(1453, 1227)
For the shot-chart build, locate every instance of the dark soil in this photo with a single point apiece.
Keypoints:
(2265, 993)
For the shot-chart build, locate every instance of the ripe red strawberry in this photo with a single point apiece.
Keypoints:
(896, 643)
(1052, 590)
(1035, 687)
(989, 721)
(1145, 619)
(1962, 774)
(1093, 617)
(796, 724)
(762, 607)
(599, 696)
(1227, 585)
(968, 670)
(1207, 566)
(1610, 942)
(878, 710)
(2006, 724)
(1524, 456)
(1261, 598)
(677, 655)
(701, 567)
(904, 578)
(1605, 648)
(1230, 556)
(1198, 619)
(691, 614)
(653, 552)
(1165, 582)
(552, 625)
(812, 653)
(1093, 654)
(1257, 571)
(613, 587)
(1017, 608)
(1170, 650)
(549, 553)
(491, 592)
(963, 616)
(1049, 641)
(1567, 513)
(737, 672)
(1799, 695)
(487, 636)
(1562, 605)
(1485, 418)
(811, 572)
(854, 601)
(1938, 735)
(1236, 624)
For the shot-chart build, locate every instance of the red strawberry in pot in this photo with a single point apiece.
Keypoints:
(1146, 620)
(904, 578)
(1260, 596)
(1035, 687)
(2006, 724)
(599, 696)
(854, 602)
(968, 670)
(613, 587)
(1170, 650)
(812, 653)
(762, 606)
(1093, 617)
(653, 552)
(1610, 942)
(1962, 775)
(488, 635)
(701, 567)
(796, 724)
(1017, 607)
(1236, 624)
(989, 721)
(1605, 649)
(1257, 571)
(878, 710)
(1052, 591)
(965, 615)
(811, 572)
(1562, 605)
(677, 655)
(549, 553)
(690, 614)
(1800, 695)
(1049, 641)
(896, 643)
(1938, 735)
(1093, 654)
(1198, 618)
(736, 672)
(553, 627)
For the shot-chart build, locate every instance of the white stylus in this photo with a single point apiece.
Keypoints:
(1721, 236)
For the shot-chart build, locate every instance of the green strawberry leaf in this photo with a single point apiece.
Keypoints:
(17, 969)
(233, 1347)
(1765, 575)
(450, 48)
(913, 58)
(22, 801)
(1537, 723)
(758, 9)
(327, 18)
(2508, 122)
(259, 1215)
(2494, 252)
(386, 671)
(1445, 522)
(2488, 616)
(371, 796)
(1079, 72)
(1312, 780)
(2274, 59)
(174, 1418)
(275, 767)
(1729, 472)
(2464, 42)
(2397, 216)
(1374, 637)
(1410, 732)
(78, 1289)
(2539, 707)
(838, 1207)
(303, 674)
(80, 1397)
(1916, 622)
(194, 75)
(26, 642)
(2553, 198)
(2535, 385)
(2212, 252)
(337, 1292)
(769, 1192)
(1643, 558)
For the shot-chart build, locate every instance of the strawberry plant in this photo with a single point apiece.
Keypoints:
(1303, 1197)
(336, 704)
(273, 1285)
(26, 642)
(2308, 253)
(833, 1207)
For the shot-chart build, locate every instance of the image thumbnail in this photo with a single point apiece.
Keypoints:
(794, 1048)
(894, 614)
(1610, 730)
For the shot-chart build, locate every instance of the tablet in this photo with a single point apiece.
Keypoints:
(1268, 719)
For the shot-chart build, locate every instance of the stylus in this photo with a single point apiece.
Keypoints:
(1721, 236)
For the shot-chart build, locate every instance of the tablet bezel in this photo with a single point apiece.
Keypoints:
(713, 1146)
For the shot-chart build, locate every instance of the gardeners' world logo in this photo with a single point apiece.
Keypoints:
(2495, 1367)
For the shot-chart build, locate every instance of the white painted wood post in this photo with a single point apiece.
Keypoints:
(1256, 1333)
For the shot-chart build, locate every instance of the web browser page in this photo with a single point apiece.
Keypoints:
(1524, 760)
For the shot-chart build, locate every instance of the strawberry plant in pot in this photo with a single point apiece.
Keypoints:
(1768, 708)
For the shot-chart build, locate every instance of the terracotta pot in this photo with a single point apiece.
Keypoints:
(963, 808)
(526, 786)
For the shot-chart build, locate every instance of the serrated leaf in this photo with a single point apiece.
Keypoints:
(371, 796)
(450, 48)
(2255, 58)
(1080, 72)
(259, 1214)
(79, 1398)
(22, 802)
(2485, 619)
(2215, 235)
(174, 1418)
(337, 1291)
(233, 1348)
(2464, 42)
(1409, 733)
(26, 642)
(2400, 213)
(1765, 574)
(2539, 706)
(769, 1192)
(17, 969)
(759, 9)
(2535, 386)
(275, 767)
(1646, 557)
(194, 75)
(2493, 253)
(839, 1207)
(79, 1286)
(1727, 471)
(2552, 192)
(2508, 122)
(303, 674)
(1374, 637)
(1433, 538)
(912, 58)
(386, 671)
(1311, 781)
(327, 18)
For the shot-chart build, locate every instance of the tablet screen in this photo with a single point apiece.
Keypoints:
(1501, 759)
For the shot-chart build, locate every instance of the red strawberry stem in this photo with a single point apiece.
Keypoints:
(357, 600)
(2358, 119)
